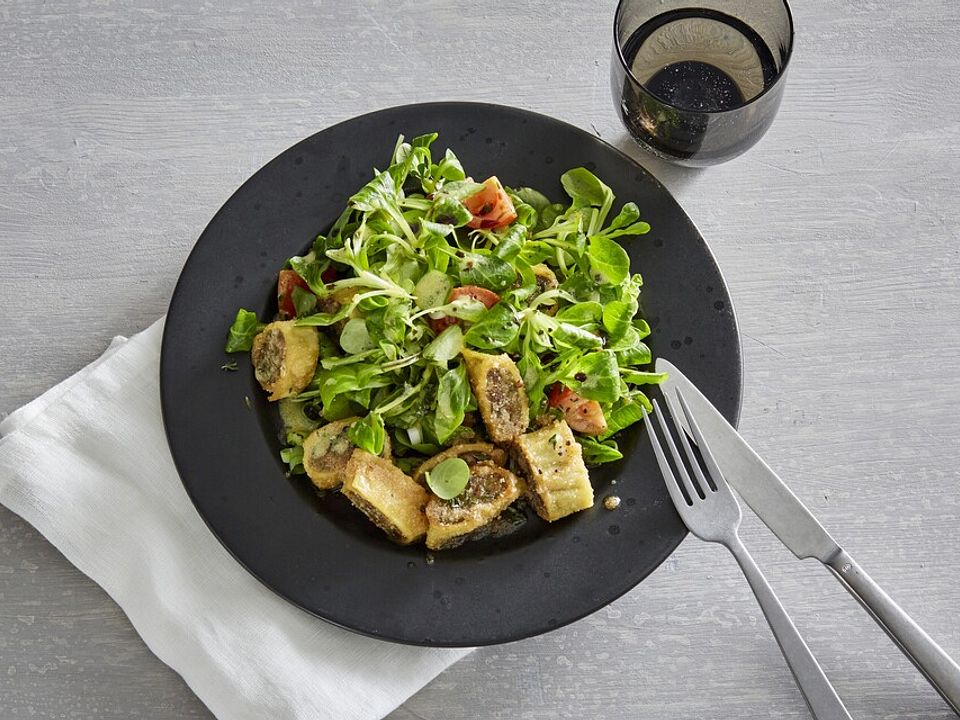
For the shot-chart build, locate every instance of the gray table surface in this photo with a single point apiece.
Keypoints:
(125, 125)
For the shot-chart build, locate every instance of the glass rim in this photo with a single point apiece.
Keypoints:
(623, 63)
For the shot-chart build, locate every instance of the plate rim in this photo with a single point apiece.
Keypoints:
(438, 105)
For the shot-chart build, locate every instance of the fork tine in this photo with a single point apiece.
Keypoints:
(705, 452)
(677, 460)
(694, 462)
(673, 487)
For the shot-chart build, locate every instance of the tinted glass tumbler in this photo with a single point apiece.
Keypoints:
(699, 84)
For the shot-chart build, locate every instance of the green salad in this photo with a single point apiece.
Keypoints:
(440, 313)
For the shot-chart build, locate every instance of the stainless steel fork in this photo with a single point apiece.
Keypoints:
(712, 513)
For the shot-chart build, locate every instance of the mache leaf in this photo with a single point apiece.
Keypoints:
(617, 316)
(621, 416)
(378, 194)
(447, 210)
(486, 271)
(449, 478)
(368, 433)
(595, 376)
(596, 452)
(511, 242)
(584, 188)
(243, 331)
(304, 302)
(453, 396)
(496, 329)
(445, 347)
(609, 263)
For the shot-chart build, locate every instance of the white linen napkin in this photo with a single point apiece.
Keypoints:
(87, 464)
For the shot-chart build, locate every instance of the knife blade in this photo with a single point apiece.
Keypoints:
(790, 520)
(757, 484)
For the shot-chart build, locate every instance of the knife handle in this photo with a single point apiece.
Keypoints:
(822, 699)
(930, 659)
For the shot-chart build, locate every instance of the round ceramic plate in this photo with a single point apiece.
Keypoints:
(322, 554)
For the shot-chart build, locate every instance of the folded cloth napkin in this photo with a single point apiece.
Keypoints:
(87, 464)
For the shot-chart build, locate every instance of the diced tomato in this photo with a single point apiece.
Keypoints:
(584, 416)
(286, 282)
(438, 325)
(487, 297)
(557, 395)
(491, 207)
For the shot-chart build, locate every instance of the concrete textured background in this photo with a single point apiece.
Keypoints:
(125, 125)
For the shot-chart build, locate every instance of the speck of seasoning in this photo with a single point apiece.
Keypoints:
(429, 559)
(247, 402)
(611, 502)
(580, 377)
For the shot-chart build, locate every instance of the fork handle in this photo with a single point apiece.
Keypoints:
(939, 669)
(822, 699)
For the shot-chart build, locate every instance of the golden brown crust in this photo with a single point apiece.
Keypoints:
(387, 496)
(284, 358)
(558, 483)
(327, 450)
(490, 490)
(501, 396)
(470, 452)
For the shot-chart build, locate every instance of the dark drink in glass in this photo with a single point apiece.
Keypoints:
(698, 85)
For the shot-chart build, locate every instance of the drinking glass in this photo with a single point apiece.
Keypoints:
(699, 84)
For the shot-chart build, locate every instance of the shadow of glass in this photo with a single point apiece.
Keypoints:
(674, 177)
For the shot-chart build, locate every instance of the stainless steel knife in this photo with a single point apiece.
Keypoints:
(799, 530)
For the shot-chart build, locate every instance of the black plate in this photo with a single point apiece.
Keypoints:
(320, 553)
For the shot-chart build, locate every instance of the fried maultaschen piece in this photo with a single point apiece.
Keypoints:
(390, 498)
(470, 453)
(558, 483)
(546, 281)
(501, 397)
(285, 357)
(327, 450)
(489, 491)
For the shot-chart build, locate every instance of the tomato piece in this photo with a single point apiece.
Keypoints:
(438, 325)
(286, 282)
(491, 207)
(582, 415)
(488, 297)
(557, 395)
(329, 275)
